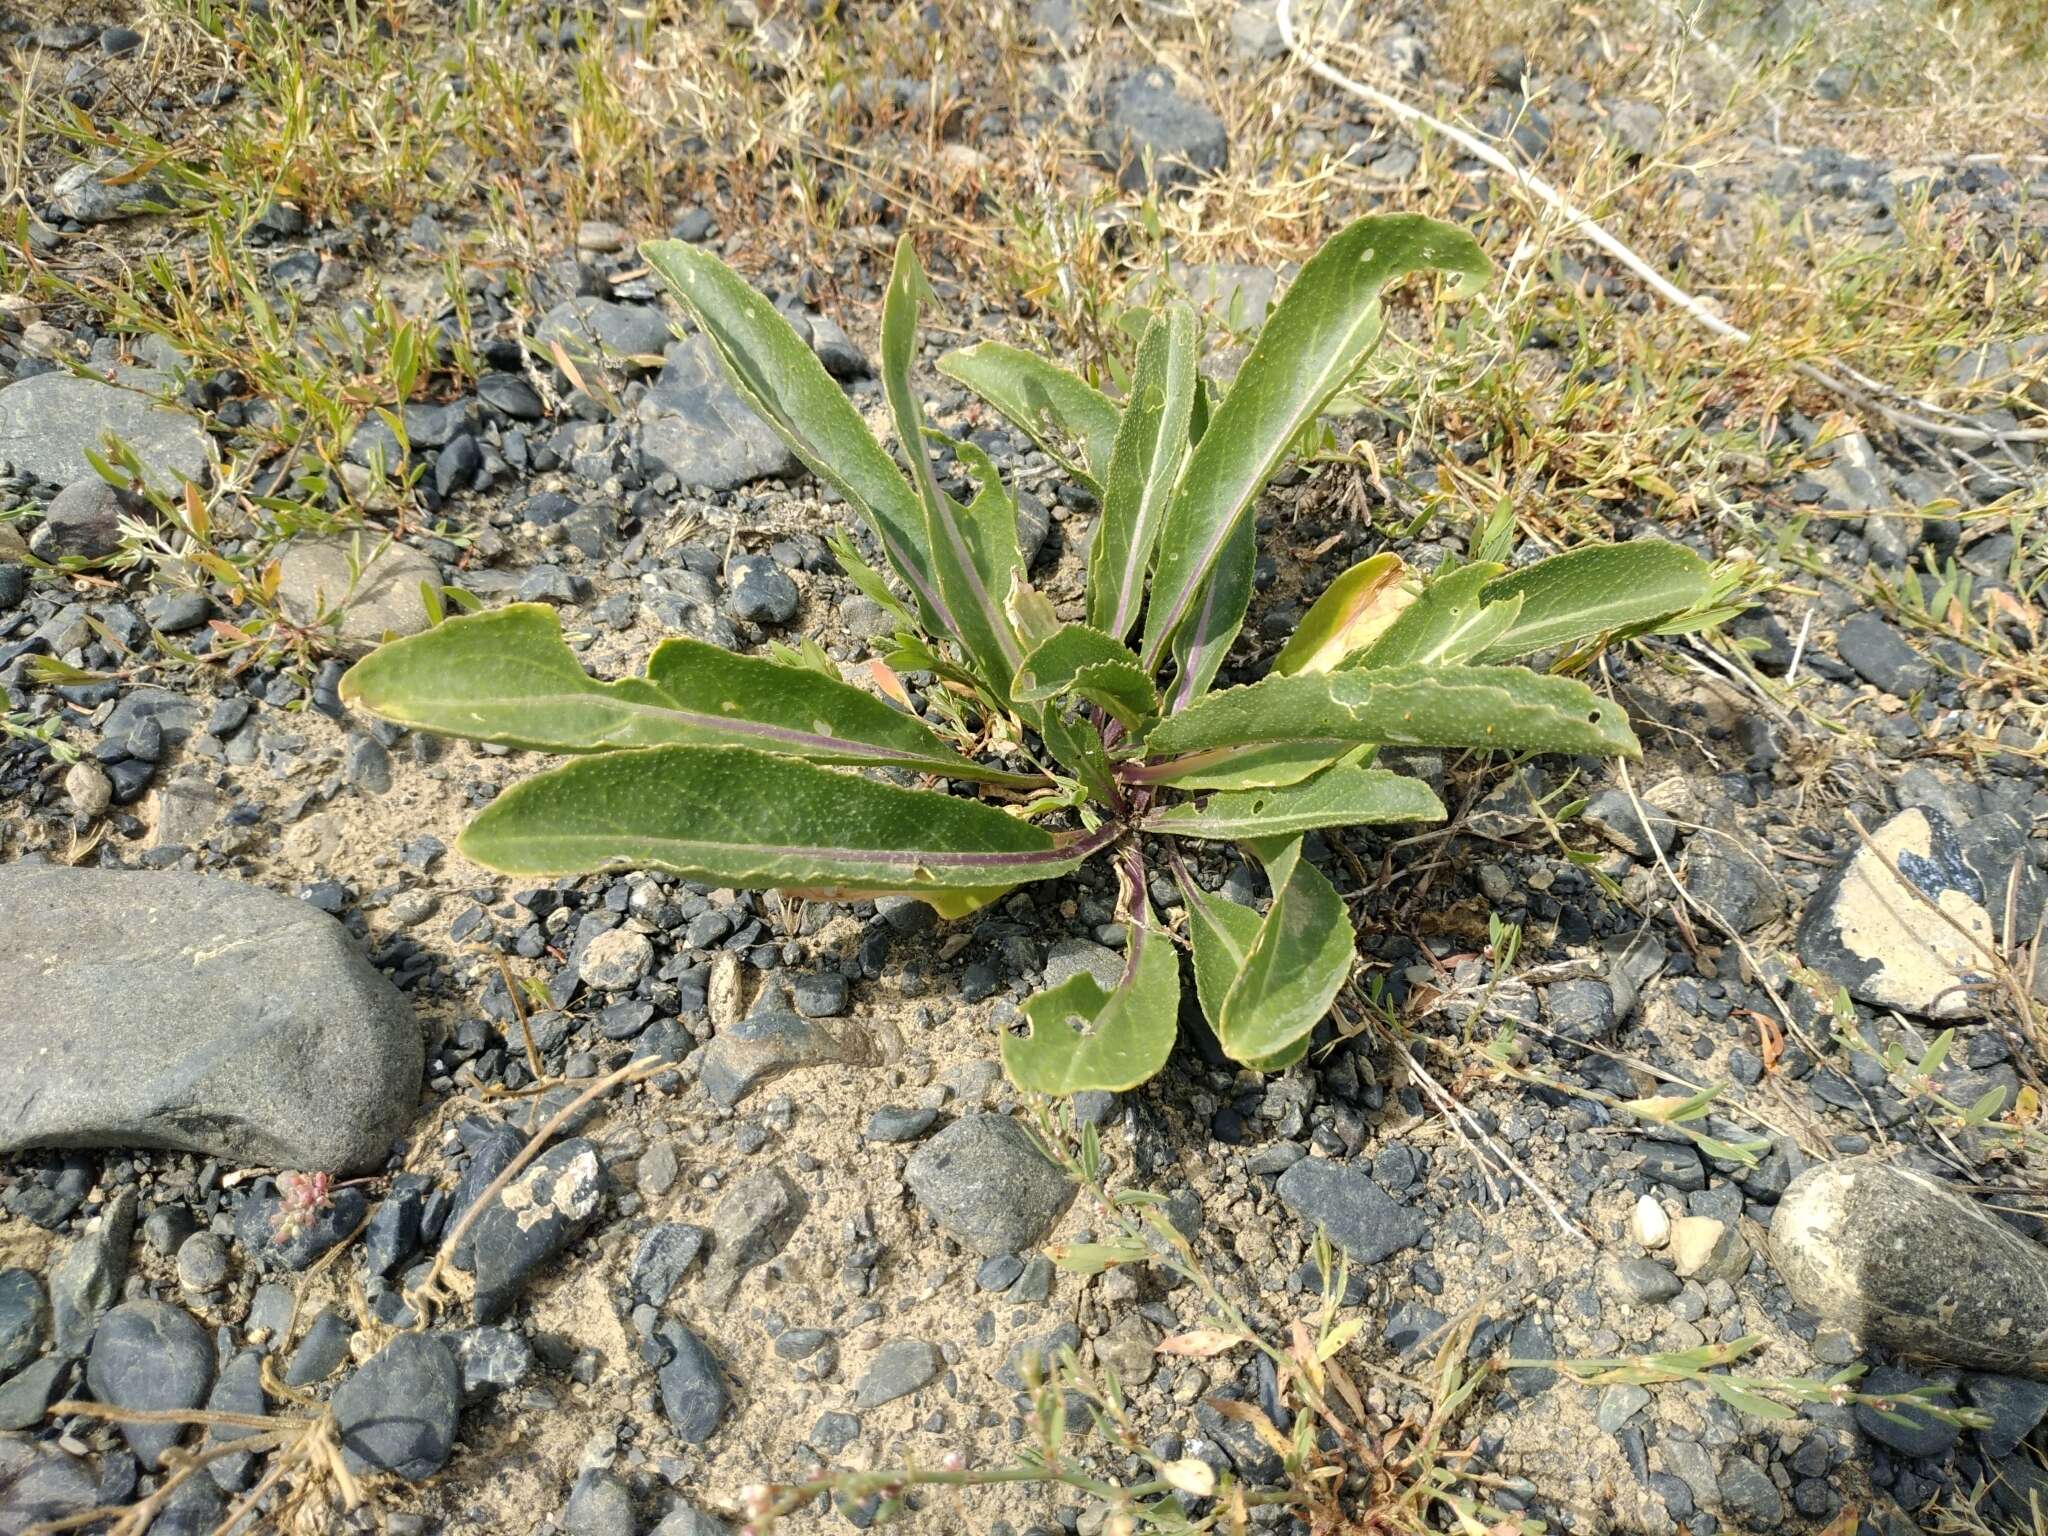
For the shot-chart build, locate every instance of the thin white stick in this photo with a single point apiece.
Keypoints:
(1857, 388)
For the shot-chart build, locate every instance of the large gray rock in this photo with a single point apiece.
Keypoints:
(102, 194)
(1152, 136)
(191, 1013)
(1910, 1265)
(49, 421)
(986, 1184)
(383, 597)
(696, 426)
(1885, 940)
(597, 329)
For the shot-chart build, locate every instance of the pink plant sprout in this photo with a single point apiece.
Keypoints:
(303, 1196)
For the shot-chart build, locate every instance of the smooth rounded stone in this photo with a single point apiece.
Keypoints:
(1620, 1403)
(686, 1521)
(511, 394)
(1360, 1217)
(753, 1223)
(693, 1390)
(615, 960)
(759, 591)
(196, 1014)
(150, 1355)
(1612, 813)
(1730, 881)
(1581, 1008)
(493, 1360)
(202, 1263)
(1881, 656)
(1912, 1266)
(87, 1279)
(998, 1273)
(892, 1123)
(84, 520)
(1642, 1280)
(1649, 1223)
(1152, 136)
(2015, 1406)
(321, 1352)
(1871, 932)
(384, 600)
(1705, 1248)
(27, 1394)
(399, 1413)
(600, 329)
(599, 1505)
(898, 1369)
(697, 427)
(771, 1040)
(1749, 1496)
(664, 1256)
(985, 1183)
(535, 1216)
(1069, 958)
(801, 1343)
(49, 421)
(195, 1508)
(46, 1483)
(820, 994)
(24, 1319)
(1906, 1429)
(238, 1390)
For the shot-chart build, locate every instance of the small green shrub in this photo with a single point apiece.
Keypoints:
(733, 769)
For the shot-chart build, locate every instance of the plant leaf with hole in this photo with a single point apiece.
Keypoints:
(1315, 339)
(1353, 612)
(1086, 1038)
(1151, 446)
(1072, 421)
(1494, 707)
(781, 377)
(1344, 796)
(734, 816)
(1586, 592)
(973, 558)
(1077, 659)
(1447, 624)
(507, 677)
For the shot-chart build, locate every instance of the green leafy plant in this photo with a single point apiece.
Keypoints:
(1060, 739)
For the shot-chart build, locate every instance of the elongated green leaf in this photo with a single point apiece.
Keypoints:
(1220, 935)
(1257, 765)
(1077, 659)
(1151, 446)
(1201, 644)
(507, 677)
(1354, 611)
(1585, 592)
(1504, 707)
(1084, 1038)
(1296, 962)
(967, 559)
(1073, 422)
(1315, 339)
(1345, 796)
(1449, 623)
(783, 380)
(734, 816)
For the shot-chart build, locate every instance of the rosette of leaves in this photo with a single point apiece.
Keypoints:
(1048, 740)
